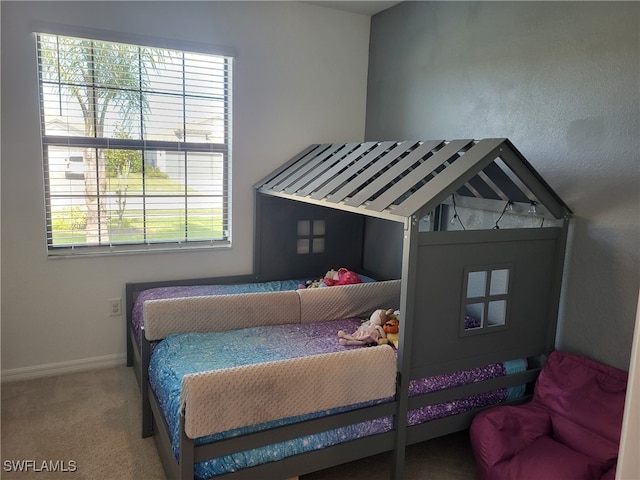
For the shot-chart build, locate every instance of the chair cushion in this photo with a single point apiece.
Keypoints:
(584, 440)
(550, 460)
(499, 433)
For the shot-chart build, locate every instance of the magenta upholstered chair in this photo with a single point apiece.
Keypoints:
(569, 430)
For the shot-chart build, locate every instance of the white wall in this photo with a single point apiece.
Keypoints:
(299, 78)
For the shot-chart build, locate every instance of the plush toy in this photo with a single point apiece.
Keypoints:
(311, 284)
(341, 277)
(370, 332)
(333, 277)
(392, 327)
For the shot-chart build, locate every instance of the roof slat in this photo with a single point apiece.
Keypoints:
(336, 168)
(317, 166)
(375, 167)
(352, 170)
(532, 179)
(504, 183)
(424, 171)
(399, 169)
(453, 177)
(285, 170)
(395, 180)
(307, 164)
(483, 185)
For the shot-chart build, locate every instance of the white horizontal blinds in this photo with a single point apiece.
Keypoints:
(136, 144)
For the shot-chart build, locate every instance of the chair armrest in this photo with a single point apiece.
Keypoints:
(498, 433)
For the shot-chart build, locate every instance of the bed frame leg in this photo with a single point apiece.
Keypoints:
(129, 349)
(400, 421)
(147, 414)
(187, 453)
(397, 465)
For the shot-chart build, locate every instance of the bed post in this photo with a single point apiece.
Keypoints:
(561, 251)
(409, 267)
(127, 320)
(187, 452)
(147, 415)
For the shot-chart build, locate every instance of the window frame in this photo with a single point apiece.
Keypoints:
(486, 298)
(141, 145)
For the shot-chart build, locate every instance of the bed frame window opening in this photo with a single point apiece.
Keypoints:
(486, 293)
(311, 235)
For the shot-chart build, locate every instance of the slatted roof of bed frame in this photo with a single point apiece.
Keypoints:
(396, 180)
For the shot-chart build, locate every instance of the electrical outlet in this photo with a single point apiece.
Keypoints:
(115, 307)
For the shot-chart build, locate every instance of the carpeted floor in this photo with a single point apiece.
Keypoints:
(87, 426)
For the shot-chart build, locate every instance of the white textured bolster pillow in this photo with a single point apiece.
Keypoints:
(217, 313)
(221, 400)
(348, 301)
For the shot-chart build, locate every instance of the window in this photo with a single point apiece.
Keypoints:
(136, 146)
(486, 295)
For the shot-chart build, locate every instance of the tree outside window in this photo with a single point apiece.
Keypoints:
(135, 145)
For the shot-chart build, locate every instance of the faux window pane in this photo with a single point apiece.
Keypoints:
(497, 313)
(476, 312)
(476, 284)
(318, 227)
(304, 228)
(103, 105)
(499, 282)
(318, 245)
(303, 246)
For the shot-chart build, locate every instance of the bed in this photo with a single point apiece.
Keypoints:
(137, 294)
(219, 361)
(479, 287)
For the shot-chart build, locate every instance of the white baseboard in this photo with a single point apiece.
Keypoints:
(61, 368)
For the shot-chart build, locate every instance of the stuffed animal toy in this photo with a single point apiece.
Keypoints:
(333, 277)
(392, 327)
(341, 277)
(370, 332)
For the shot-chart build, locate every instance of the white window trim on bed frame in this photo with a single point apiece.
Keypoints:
(200, 98)
(495, 288)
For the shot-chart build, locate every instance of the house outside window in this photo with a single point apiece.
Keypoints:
(136, 146)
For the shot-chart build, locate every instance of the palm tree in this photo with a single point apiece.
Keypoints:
(103, 78)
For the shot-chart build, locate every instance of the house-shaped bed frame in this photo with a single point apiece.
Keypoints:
(475, 234)
(469, 226)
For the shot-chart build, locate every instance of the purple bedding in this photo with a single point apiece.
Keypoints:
(182, 354)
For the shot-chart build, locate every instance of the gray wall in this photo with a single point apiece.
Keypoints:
(559, 79)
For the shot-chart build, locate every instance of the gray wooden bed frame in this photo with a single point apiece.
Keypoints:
(386, 209)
